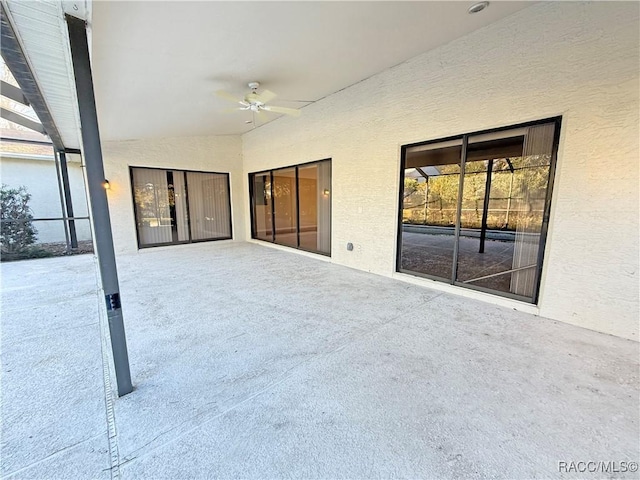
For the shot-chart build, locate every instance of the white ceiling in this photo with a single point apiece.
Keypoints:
(156, 65)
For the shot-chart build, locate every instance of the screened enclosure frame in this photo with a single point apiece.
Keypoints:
(273, 227)
(464, 138)
(187, 207)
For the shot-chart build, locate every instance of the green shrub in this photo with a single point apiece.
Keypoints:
(17, 231)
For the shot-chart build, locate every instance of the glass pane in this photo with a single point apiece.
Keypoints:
(324, 207)
(284, 202)
(531, 182)
(308, 193)
(262, 226)
(180, 206)
(505, 183)
(151, 198)
(431, 178)
(209, 211)
(314, 183)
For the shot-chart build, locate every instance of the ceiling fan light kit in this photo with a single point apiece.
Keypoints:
(256, 103)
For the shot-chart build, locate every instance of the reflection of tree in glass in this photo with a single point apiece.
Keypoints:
(517, 199)
(281, 187)
(153, 204)
(439, 207)
(531, 184)
(284, 201)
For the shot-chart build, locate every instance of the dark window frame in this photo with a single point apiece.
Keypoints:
(186, 189)
(557, 121)
(269, 172)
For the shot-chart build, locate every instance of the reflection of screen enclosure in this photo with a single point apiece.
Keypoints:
(473, 209)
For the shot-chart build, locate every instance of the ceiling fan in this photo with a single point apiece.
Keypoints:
(256, 103)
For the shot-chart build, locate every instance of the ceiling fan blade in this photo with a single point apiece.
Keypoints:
(251, 98)
(287, 111)
(228, 96)
(262, 116)
(266, 96)
(234, 109)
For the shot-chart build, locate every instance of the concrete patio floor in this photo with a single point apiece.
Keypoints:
(252, 362)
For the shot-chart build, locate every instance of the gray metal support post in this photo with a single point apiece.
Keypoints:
(426, 201)
(98, 199)
(61, 193)
(456, 243)
(512, 169)
(485, 206)
(67, 199)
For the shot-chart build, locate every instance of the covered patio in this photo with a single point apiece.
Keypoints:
(250, 361)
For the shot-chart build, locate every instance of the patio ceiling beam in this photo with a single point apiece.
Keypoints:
(21, 120)
(15, 58)
(94, 168)
(422, 172)
(13, 92)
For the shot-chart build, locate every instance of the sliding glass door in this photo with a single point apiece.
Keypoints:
(262, 224)
(484, 229)
(152, 205)
(292, 206)
(285, 211)
(314, 185)
(430, 198)
(176, 206)
(209, 208)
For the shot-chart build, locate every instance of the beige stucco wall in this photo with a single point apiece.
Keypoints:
(215, 154)
(575, 60)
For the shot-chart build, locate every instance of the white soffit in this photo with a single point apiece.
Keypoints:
(157, 65)
(41, 30)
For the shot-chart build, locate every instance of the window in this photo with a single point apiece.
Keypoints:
(292, 206)
(176, 206)
(474, 209)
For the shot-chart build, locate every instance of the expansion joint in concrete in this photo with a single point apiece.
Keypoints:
(114, 455)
